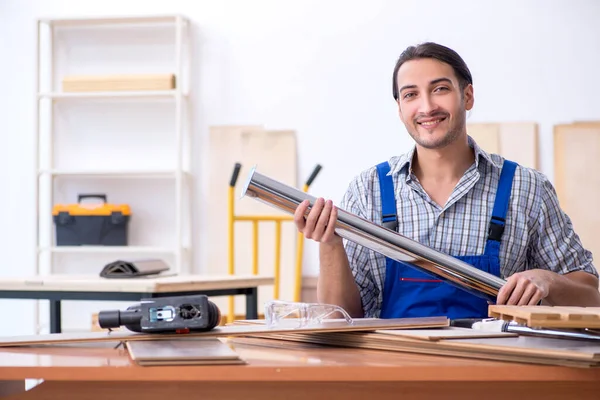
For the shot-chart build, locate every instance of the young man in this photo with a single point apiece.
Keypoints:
(449, 194)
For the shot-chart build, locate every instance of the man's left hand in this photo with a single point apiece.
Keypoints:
(526, 288)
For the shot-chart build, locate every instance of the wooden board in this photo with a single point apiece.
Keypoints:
(90, 283)
(511, 350)
(366, 324)
(534, 346)
(197, 351)
(273, 152)
(516, 141)
(442, 333)
(447, 333)
(576, 178)
(548, 316)
(487, 136)
(103, 83)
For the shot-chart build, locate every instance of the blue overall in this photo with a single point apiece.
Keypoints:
(409, 292)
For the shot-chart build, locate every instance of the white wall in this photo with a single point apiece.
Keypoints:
(322, 68)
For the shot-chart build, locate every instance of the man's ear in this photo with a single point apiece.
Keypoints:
(468, 97)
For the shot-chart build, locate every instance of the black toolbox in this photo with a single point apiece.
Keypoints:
(96, 223)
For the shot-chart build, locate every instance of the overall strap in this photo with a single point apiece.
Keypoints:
(502, 200)
(388, 200)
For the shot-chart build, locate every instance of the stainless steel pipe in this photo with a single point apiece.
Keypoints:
(379, 239)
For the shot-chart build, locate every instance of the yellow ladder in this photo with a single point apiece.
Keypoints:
(255, 220)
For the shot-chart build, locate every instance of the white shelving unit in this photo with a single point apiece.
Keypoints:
(48, 168)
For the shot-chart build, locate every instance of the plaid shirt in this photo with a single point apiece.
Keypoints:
(537, 234)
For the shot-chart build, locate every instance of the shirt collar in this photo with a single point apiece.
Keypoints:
(398, 163)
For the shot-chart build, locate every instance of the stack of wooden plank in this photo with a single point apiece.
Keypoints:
(206, 348)
(256, 328)
(432, 336)
(470, 343)
(451, 341)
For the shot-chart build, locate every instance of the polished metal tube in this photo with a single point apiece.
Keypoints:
(379, 239)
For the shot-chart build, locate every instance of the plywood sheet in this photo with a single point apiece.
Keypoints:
(534, 346)
(487, 136)
(516, 141)
(577, 180)
(431, 334)
(363, 324)
(447, 333)
(512, 349)
(519, 143)
(273, 152)
(197, 351)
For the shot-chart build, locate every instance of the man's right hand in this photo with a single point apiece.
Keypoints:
(319, 225)
(336, 283)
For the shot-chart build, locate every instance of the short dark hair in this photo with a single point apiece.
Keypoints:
(438, 52)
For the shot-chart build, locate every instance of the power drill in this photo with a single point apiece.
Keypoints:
(177, 314)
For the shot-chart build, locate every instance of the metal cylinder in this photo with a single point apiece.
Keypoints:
(379, 239)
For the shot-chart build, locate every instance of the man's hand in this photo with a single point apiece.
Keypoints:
(526, 288)
(577, 288)
(319, 225)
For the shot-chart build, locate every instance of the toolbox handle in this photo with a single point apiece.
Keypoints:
(91, 196)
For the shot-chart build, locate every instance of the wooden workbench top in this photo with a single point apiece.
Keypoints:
(94, 283)
(302, 371)
(102, 362)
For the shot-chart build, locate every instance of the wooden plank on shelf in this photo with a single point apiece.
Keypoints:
(119, 82)
(516, 141)
(577, 182)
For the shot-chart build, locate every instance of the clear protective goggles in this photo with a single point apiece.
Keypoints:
(287, 314)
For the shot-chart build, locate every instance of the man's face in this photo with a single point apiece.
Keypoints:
(430, 102)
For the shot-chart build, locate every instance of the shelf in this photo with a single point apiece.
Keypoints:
(167, 165)
(112, 20)
(110, 95)
(146, 250)
(117, 174)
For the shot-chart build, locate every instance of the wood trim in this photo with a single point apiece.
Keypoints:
(312, 390)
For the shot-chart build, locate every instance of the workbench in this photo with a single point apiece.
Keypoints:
(56, 288)
(101, 371)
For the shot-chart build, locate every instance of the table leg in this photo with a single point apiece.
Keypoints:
(55, 317)
(252, 303)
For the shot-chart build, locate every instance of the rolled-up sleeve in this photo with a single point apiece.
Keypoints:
(361, 261)
(555, 245)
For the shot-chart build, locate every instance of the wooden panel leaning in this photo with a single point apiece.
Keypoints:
(577, 178)
(516, 141)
